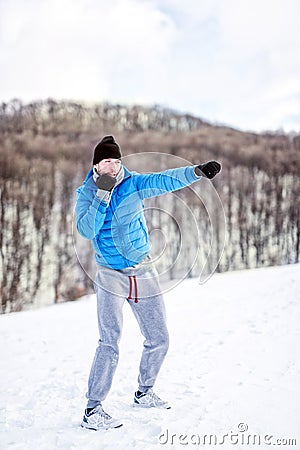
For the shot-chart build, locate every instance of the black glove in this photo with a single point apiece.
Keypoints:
(105, 182)
(209, 169)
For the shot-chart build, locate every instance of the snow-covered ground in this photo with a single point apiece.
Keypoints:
(233, 365)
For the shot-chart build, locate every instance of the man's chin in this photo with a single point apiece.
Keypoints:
(109, 174)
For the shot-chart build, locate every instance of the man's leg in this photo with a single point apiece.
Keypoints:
(110, 321)
(151, 316)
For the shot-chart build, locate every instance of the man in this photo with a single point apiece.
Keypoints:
(109, 211)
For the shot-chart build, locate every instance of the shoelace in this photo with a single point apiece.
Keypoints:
(99, 415)
(154, 396)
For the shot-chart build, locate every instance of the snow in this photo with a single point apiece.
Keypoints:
(233, 359)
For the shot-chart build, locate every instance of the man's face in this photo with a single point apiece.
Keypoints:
(110, 166)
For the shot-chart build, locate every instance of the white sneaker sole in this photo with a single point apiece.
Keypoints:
(116, 424)
(142, 405)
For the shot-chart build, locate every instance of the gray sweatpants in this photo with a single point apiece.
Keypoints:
(140, 287)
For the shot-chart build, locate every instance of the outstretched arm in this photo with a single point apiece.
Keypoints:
(154, 184)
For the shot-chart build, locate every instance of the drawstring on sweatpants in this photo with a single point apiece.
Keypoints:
(131, 284)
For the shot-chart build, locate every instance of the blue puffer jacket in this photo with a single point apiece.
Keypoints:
(118, 228)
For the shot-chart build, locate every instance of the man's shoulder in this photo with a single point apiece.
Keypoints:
(130, 177)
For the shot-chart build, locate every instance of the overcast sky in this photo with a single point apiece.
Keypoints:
(229, 61)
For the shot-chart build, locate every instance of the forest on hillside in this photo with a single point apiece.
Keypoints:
(46, 148)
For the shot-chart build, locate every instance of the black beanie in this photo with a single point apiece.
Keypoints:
(106, 148)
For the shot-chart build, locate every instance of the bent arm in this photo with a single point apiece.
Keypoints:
(154, 184)
(90, 214)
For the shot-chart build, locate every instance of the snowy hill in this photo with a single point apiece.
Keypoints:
(233, 363)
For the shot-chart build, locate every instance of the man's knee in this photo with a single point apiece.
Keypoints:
(110, 347)
(163, 341)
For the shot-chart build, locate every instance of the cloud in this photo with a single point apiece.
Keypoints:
(251, 51)
(78, 48)
(227, 61)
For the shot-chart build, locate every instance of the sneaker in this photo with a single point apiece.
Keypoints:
(97, 419)
(149, 399)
